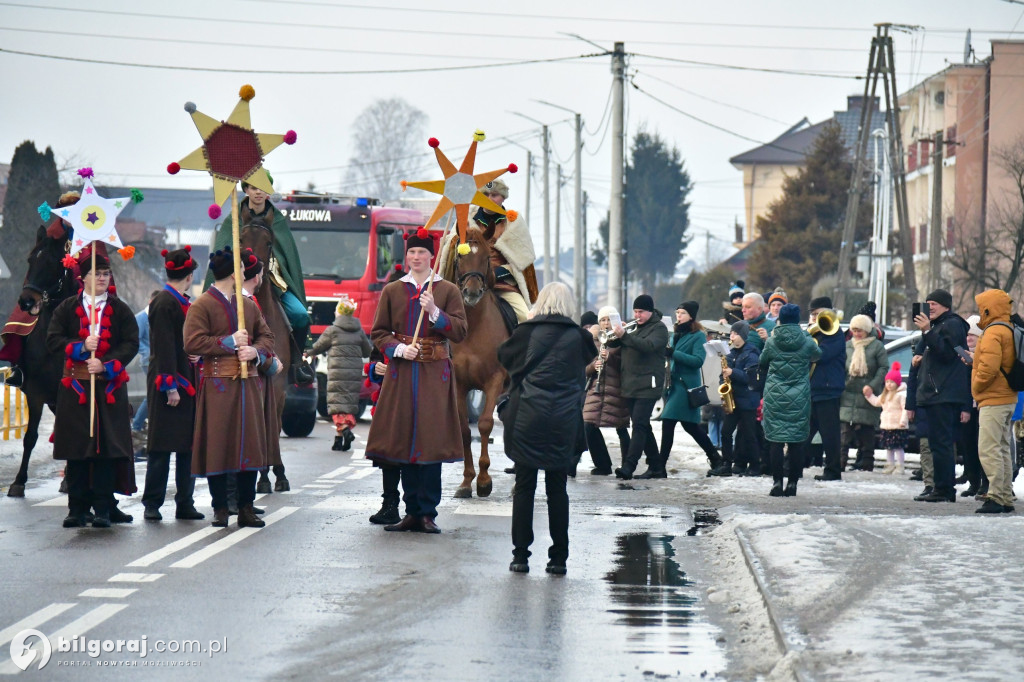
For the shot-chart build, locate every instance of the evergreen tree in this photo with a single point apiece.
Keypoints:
(656, 211)
(32, 180)
(801, 233)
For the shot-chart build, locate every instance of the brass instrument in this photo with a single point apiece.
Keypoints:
(725, 390)
(827, 323)
(609, 334)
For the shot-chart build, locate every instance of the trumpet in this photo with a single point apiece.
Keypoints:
(607, 335)
(827, 323)
(725, 390)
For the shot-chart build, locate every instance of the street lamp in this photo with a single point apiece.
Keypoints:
(549, 273)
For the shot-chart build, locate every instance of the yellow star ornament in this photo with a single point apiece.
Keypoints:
(460, 187)
(232, 151)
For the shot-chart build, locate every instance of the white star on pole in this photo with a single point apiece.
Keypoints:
(93, 217)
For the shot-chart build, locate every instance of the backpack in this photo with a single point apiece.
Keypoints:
(1015, 377)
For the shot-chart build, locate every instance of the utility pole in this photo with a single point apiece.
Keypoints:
(707, 251)
(548, 270)
(529, 172)
(880, 65)
(558, 223)
(615, 205)
(935, 231)
(583, 236)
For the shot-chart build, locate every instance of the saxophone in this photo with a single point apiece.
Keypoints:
(725, 391)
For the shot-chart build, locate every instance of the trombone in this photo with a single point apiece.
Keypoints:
(607, 335)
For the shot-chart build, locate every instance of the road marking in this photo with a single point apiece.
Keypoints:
(485, 508)
(348, 502)
(337, 472)
(361, 463)
(135, 577)
(290, 492)
(320, 485)
(61, 501)
(74, 629)
(219, 546)
(362, 473)
(109, 592)
(175, 546)
(33, 621)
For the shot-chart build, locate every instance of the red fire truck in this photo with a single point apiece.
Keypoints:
(348, 245)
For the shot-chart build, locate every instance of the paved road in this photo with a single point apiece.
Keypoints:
(320, 591)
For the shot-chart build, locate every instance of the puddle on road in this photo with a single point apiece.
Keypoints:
(703, 519)
(654, 599)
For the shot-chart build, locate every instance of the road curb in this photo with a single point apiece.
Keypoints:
(757, 572)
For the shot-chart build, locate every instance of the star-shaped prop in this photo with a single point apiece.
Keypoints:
(460, 187)
(232, 151)
(92, 217)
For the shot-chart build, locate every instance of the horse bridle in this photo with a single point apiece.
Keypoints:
(52, 293)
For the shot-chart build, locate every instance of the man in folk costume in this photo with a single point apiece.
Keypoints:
(170, 392)
(231, 430)
(285, 268)
(512, 253)
(418, 399)
(99, 324)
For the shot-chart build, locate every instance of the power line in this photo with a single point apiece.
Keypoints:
(719, 102)
(345, 72)
(737, 67)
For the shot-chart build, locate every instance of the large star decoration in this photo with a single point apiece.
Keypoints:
(92, 217)
(460, 187)
(231, 151)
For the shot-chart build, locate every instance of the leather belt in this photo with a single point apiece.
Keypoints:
(431, 349)
(225, 367)
(80, 371)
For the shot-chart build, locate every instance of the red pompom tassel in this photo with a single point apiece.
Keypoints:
(422, 234)
(66, 381)
(83, 333)
(512, 168)
(110, 399)
(290, 137)
(433, 142)
(213, 211)
(173, 168)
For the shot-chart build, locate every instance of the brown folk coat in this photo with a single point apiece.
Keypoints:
(604, 405)
(170, 428)
(231, 428)
(417, 415)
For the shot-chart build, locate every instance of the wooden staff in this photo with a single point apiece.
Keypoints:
(433, 271)
(237, 256)
(92, 355)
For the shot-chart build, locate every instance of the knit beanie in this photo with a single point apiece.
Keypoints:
(973, 321)
(821, 303)
(894, 374)
(789, 314)
(942, 297)
(251, 264)
(737, 289)
(102, 263)
(420, 238)
(869, 310)
(346, 306)
(178, 263)
(588, 318)
(606, 311)
(778, 295)
(691, 307)
(643, 302)
(742, 328)
(222, 263)
(496, 187)
(862, 322)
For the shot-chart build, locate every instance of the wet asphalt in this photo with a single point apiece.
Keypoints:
(321, 592)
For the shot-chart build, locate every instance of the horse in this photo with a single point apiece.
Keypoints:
(260, 238)
(47, 283)
(476, 357)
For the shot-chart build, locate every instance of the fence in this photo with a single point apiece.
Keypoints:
(14, 402)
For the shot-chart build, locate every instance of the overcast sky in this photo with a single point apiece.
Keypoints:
(128, 123)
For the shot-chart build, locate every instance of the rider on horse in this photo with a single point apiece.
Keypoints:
(512, 253)
(285, 271)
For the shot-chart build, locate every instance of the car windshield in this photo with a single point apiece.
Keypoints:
(326, 254)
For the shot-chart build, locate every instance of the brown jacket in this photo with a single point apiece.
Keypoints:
(994, 353)
(604, 405)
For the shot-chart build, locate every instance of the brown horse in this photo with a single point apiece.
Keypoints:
(476, 358)
(260, 239)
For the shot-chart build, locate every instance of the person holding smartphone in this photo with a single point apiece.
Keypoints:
(943, 388)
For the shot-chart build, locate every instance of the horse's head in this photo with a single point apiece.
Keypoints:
(47, 279)
(473, 272)
(257, 234)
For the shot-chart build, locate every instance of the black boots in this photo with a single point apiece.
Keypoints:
(791, 488)
(388, 514)
(715, 462)
(723, 469)
(343, 441)
(776, 488)
(301, 372)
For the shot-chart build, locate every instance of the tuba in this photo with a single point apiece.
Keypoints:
(725, 391)
(827, 323)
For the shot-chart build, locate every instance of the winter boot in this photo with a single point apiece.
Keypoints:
(339, 443)
(776, 488)
(388, 514)
(302, 373)
(715, 461)
(724, 469)
(347, 437)
(791, 488)
(247, 517)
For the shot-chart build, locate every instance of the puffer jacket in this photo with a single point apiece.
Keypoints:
(346, 345)
(643, 359)
(743, 362)
(894, 408)
(787, 357)
(687, 360)
(944, 378)
(854, 408)
(994, 353)
(604, 405)
(829, 378)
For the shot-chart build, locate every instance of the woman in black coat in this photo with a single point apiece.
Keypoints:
(546, 358)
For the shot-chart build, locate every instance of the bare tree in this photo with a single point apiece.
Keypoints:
(388, 137)
(992, 258)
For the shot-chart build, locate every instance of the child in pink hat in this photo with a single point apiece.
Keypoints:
(893, 419)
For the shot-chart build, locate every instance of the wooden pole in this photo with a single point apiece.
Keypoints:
(433, 271)
(237, 255)
(92, 331)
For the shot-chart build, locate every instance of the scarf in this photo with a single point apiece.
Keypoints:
(859, 362)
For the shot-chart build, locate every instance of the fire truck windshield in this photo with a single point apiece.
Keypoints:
(332, 255)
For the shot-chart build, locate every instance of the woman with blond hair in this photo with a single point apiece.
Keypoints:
(605, 406)
(545, 357)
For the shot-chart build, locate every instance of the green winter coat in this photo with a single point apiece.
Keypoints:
(284, 249)
(787, 357)
(643, 359)
(687, 359)
(854, 408)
